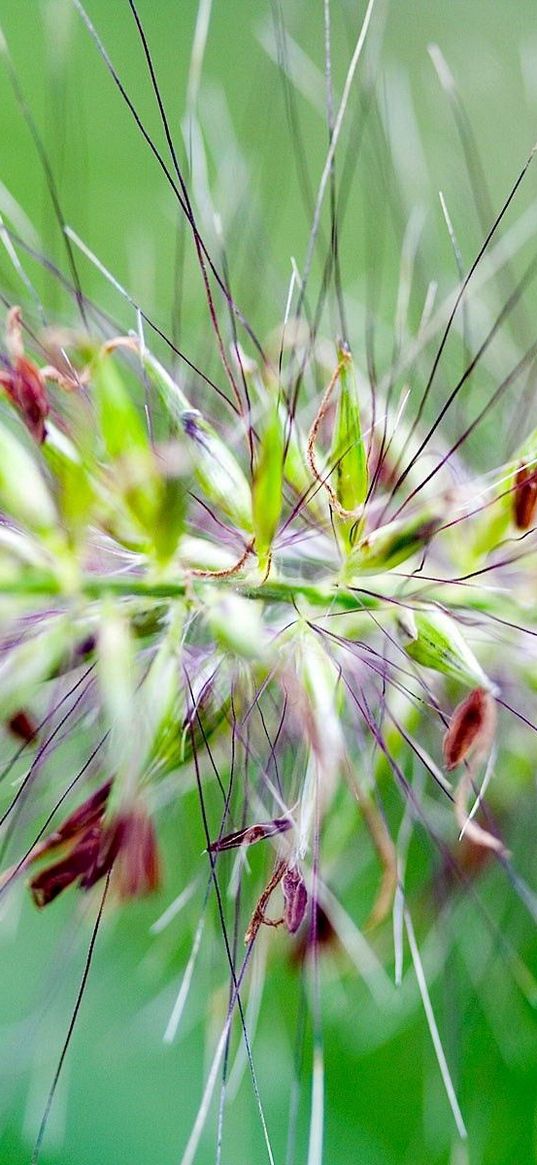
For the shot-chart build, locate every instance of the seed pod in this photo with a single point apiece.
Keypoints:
(347, 454)
(23, 381)
(525, 497)
(436, 642)
(295, 898)
(174, 470)
(296, 472)
(388, 546)
(267, 488)
(471, 729)
(120, 422)
(214, 467)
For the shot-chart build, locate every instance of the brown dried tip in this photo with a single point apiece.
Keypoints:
(259, 918)
(525, 497)
(471, 728)
(251, 834)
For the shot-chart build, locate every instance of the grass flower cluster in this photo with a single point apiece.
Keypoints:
(282, 606)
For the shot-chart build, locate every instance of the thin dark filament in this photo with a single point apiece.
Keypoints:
(49, 266)
(70, 1030)
(278, 733)
(506, 310)
(236, 925)
(22, 861)
(379, 666)
(138, 121)
(16, 816)
(418, 811)
(5, 771)
(214, 517)
(334, 234)
(188, 209)
(229, 955)
(386, 668)
(50, 180)
(247, 409)
(515, 712)
(44, 746)
(350, 162)
(178, 279)
(272, 745)
(299, 149)
(502, 388)
(476, 175)
(455, 307)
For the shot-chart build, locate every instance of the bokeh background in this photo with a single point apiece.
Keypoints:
(125, 1096)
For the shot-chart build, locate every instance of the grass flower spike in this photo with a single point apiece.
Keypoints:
(268, 605)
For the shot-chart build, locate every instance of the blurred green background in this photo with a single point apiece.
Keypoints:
(125, 1096)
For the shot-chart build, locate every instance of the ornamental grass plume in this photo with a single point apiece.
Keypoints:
(275, 603)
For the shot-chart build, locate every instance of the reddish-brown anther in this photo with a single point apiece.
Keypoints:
(87, 816)
(129, 844)
(471, 728)
(23, 381)
(525, 497)
(25, 388)
(22, 725)
(295, 898)
(51, 881)
(81, 834)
